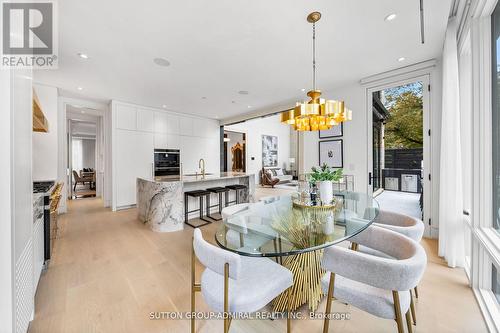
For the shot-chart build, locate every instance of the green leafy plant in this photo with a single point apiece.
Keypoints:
(324, 173)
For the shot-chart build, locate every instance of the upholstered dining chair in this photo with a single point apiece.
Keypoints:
(378, 285)
(404, 224)
(82, 180)
(235, 284)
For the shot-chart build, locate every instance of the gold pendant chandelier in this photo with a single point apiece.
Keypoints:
(316, 114)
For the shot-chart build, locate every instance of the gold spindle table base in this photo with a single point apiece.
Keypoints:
(307, 273)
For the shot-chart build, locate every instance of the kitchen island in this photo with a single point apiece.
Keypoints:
(160, 201)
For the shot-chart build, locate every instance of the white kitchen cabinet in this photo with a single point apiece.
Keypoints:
(192, 149)
(173, 125)
(160, 122)
(126, 117)
(186, 126)
(145, 120)
(212, 154)
(213, 129)
(200, 127)
(173, 141)
(160, 140)
(133, 158)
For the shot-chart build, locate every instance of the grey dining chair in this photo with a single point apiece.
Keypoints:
(378, 285)
(235, 284)
(404, 224)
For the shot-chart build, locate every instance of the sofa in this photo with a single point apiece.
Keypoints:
(274, 175)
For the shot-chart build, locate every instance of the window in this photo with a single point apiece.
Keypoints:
(495, 282)
(495, 21)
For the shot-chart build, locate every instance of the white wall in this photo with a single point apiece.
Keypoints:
(45, 145)
(254, 130)
(88, 153)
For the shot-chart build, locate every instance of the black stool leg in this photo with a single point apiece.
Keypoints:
(185, 208)
(220, 202)
(208, 205)
(237, 196)
(201, 208)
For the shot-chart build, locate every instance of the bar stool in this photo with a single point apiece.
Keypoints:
(196, 194)
(218, 190)
(237, 188)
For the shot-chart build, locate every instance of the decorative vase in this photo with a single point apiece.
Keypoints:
(325, 191)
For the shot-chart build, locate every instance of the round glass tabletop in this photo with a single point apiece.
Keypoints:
(283, 225)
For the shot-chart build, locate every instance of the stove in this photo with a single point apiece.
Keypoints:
(42, 187)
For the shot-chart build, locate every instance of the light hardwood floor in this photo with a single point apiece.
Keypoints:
(109, 272)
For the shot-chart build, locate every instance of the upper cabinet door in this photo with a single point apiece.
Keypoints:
(160, 122)
(145, 120)
(186, 126)
(172, 124)
(126, 117)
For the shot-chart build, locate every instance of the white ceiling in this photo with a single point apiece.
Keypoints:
(217, 48)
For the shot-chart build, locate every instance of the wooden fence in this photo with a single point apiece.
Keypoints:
(403, 158)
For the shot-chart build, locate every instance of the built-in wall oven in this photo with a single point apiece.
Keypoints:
(167, 162)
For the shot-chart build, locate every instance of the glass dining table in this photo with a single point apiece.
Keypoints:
(294, 232)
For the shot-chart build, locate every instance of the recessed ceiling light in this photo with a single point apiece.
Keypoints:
(164, 106)
(390, 17)
(401, 59)
(161, 62)
(243, 92)
(249, 106)
(79, 88)
(203, 97)
(83, 55)
(303, 89)
(233, 102)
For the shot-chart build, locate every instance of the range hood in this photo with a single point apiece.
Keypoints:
(40, 123)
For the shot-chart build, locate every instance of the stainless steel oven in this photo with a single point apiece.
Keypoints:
(167, 162)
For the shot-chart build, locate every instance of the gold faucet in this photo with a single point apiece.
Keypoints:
(201, 165)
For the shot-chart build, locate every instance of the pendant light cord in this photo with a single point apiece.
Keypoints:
(314, 56)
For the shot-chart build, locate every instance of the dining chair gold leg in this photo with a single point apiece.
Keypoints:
(242, 240)
(412, 308)
(416, 292)
(408, 322)
(279, 248)
(288, 316)
(397, 310)
(193, 300)
(226, 298)
(275, 243)
(329, 302)
(288, 320)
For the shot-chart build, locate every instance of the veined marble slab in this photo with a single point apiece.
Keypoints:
(161, 205)
(160, 201)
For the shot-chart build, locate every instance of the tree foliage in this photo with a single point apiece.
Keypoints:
(404, 127)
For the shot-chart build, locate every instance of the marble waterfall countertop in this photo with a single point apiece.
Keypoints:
(193, 178)
(160, 201)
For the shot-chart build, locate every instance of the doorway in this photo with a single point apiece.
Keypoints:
(85, 152)
(234, 151)
(400, 147)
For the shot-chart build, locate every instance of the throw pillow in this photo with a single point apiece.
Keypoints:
(279, 172)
